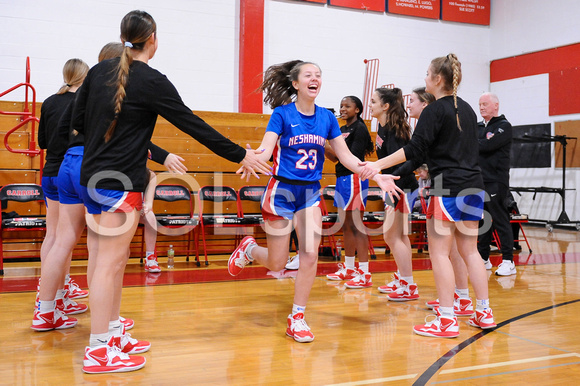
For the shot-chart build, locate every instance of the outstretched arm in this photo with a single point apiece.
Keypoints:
(262, 155)
(369, 169)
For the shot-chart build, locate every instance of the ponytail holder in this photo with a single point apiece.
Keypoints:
(449, 57)
(69, 85)
(128, 44)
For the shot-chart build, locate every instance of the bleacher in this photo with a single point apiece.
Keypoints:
(204, 168)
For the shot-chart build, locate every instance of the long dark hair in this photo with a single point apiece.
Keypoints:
(396, 114)
(370, 146)
(277, 84)
(136, 28)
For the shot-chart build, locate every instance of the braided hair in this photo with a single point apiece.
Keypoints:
(449, 67)
(136, 28)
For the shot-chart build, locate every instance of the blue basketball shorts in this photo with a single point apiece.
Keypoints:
(98, 201)
(460, 208)
(69, 177)
(282, 200)
(50, 188)
(351, 192)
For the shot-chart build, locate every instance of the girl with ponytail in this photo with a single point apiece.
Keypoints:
(393, 133)
(295, 136)
(446, 136)
(116, 111)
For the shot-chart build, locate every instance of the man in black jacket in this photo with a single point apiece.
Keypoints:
(495, 141)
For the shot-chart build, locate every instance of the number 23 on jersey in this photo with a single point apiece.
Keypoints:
(308, 159)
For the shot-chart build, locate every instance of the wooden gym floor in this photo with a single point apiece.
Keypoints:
(207, 328)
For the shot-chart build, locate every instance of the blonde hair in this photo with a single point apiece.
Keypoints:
(136, 28)
(449, 67)
(110, 51)
(74, 73)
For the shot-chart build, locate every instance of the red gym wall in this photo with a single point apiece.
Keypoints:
(560, 63)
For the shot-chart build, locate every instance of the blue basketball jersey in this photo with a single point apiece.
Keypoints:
(299, 152)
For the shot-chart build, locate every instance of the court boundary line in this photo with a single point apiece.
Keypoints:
(435, 367)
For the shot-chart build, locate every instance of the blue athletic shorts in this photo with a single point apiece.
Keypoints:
(113, 201)
(404, 204)
(282, 200)
(69, 177)
(50, 188)
(460, 208)
(351, 192)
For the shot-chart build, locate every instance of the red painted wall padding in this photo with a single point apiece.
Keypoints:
(251, 55)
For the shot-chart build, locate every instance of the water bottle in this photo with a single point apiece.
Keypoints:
(170, 257)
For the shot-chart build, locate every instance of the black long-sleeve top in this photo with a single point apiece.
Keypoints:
(451, 154)
(357, 139)
(387, 143)
(495, 143)
(67, 135)
(50, 114)
(148, 94)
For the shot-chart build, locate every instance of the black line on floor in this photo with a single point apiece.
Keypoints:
(437, 365)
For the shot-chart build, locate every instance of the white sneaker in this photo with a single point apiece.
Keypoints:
(506, 268)
(487, 264)
(293, 262)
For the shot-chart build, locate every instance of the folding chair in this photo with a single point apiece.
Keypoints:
(176, 218)
(21, 193)
(218, 211)
(515, 218)
(249, 205)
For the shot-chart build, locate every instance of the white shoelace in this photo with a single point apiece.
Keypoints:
(300, 325)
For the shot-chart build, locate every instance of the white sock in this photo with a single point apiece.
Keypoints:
(408, 279)
(149, 253)
(463, 293)
(297, 309)
(46, 305)
(349, 262)
(446, 312)
(115, 328)
(98, 339)
(67, 278)
(249, 251)
(363, 266)
(507, 262)
(481, 304)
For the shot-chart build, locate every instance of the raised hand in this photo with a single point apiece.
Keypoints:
(174, 164)
(387, 183)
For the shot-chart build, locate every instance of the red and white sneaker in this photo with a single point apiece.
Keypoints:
(343, 273)
(130, 345)
(52, 320)
(128, 323)
(298, 329)
(404, 293)
(151, 264)
(238, 260)
(110, 359)
(440, 327)
(74, 291)
(462, 307)
(392, 286)
(482, 319)
(360, 280)
(70, 307)
(432, 304)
